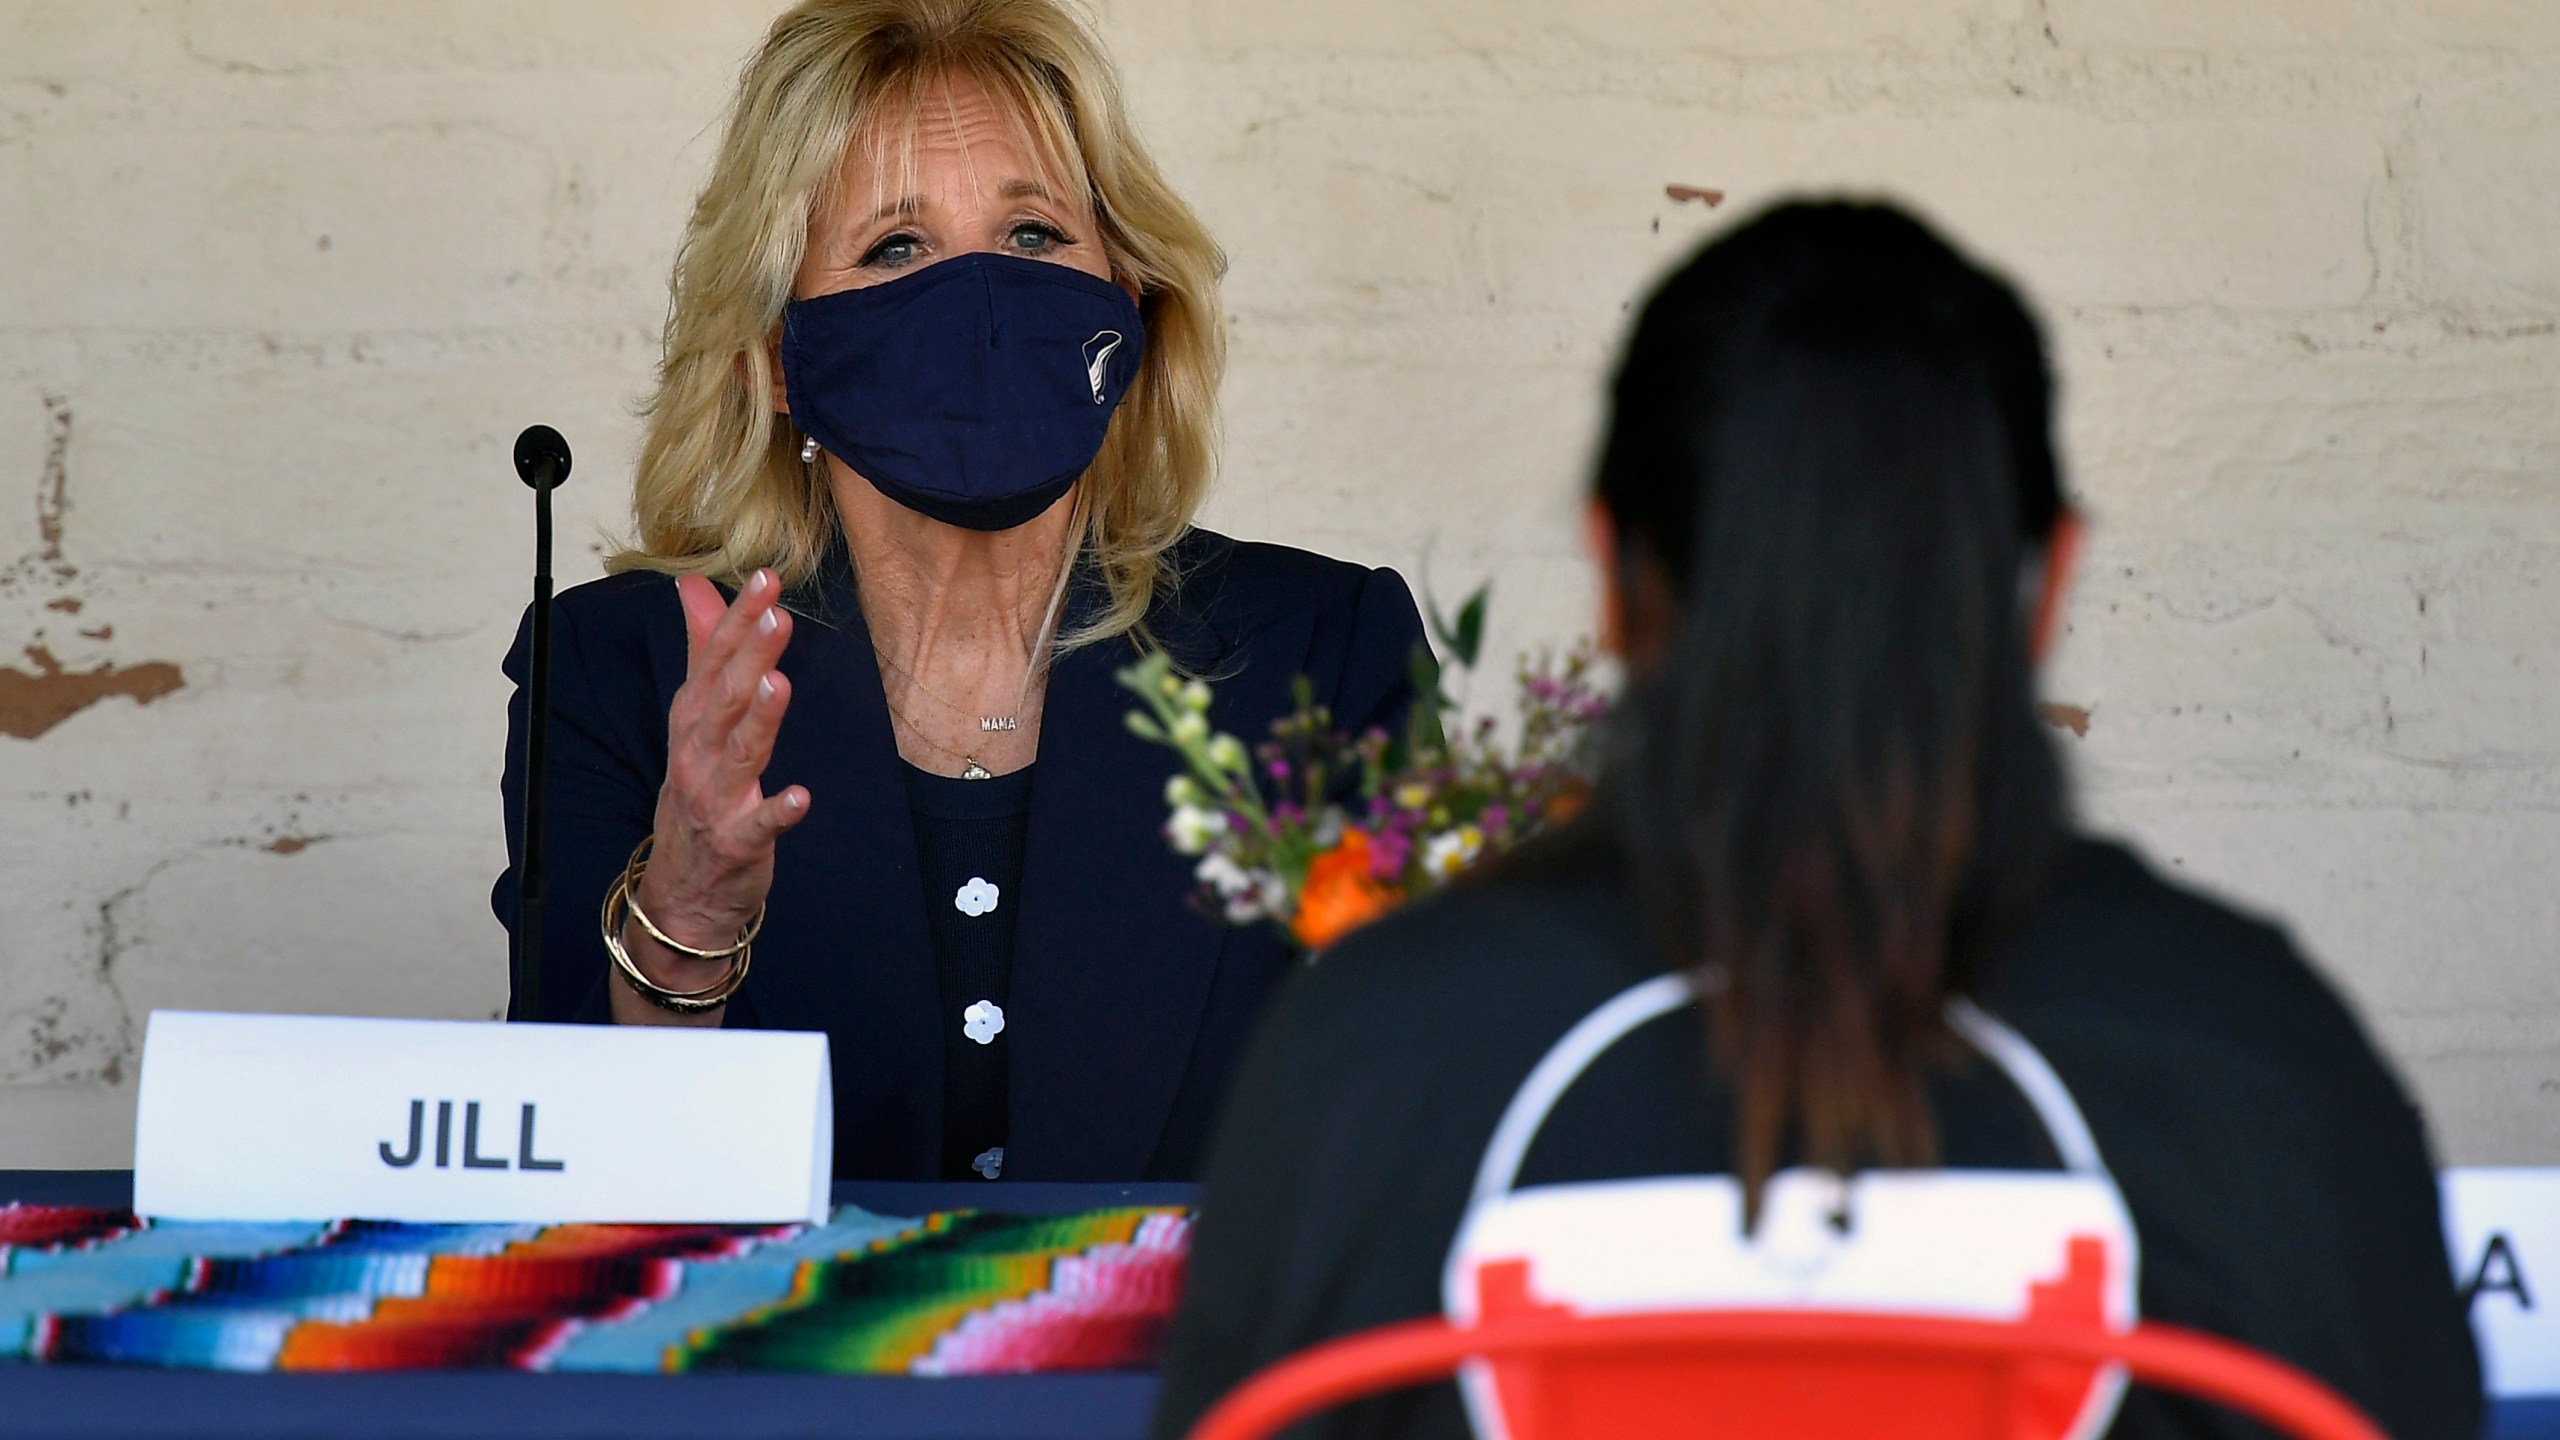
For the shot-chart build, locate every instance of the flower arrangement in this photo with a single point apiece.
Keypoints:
(1320, 831)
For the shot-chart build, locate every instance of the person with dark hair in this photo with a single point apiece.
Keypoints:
(1835, 542)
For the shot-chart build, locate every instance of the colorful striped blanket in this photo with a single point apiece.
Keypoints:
(952, 1293)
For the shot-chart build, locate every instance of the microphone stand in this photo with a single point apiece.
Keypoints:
(542, 460)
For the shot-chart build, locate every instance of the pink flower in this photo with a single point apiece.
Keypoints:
(1388, 850)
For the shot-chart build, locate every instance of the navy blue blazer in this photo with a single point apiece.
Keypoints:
(1128, 1008)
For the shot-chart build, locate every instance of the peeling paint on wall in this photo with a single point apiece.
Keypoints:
(32, 704)
(53, 488)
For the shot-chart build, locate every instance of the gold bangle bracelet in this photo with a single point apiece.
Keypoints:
(632, 872)
(617, 902)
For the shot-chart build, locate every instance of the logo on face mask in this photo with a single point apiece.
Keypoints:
(1097, 360)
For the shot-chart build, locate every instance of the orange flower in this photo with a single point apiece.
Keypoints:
(1568, 803)
(1341, 894)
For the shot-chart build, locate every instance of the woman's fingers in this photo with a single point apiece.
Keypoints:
(721, 732)
(727, 659)
(715, 822)
(703, 608)
(731, 625)
(777, 813)
(742, 675)
(750, 741)
(740, 846)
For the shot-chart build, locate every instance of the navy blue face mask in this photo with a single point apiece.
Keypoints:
(975, 390)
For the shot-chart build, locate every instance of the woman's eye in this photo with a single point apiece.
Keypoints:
(1031, 238)
(892, 251)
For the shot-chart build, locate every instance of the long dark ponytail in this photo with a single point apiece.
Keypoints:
(1831, 453)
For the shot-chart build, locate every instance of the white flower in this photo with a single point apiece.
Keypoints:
(975, 898)
(1183, 790)
(1248, 894)
(982, 1022)
(1227, 753)
(1221, 873)
(1330, 823)
(1190, 727)
(1192, 829)
(1195, 696)
(1450, 851)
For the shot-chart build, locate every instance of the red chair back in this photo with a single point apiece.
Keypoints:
(1742, 1375)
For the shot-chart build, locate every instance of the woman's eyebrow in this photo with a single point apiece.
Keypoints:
(908, 205)
(1026, 189)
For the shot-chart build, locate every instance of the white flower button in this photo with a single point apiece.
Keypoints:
(982, 1022)
(975, 898)
(990, 1162)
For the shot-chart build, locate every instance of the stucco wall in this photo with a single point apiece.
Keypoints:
(279, 282)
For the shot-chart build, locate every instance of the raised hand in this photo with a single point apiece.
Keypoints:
(715, 830)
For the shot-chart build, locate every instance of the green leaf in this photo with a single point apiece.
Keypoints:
(1422, 671)
(1423, 736)
(1468, 643)
(1438, 623)
(1463, 638)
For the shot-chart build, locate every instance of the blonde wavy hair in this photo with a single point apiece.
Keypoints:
(721, 489)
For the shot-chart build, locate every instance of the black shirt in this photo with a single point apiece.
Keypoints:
(969, 839)
(2278, 1177)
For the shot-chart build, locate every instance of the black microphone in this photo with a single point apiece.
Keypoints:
(542, 460)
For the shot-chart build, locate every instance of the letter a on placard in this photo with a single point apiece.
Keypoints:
(2508, 1279)
(2502, 1225)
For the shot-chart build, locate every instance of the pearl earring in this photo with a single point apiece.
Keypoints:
(809, 450)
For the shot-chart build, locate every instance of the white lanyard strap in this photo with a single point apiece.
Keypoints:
(2028, 1070)
(1633, 1007)
(1563, 1064)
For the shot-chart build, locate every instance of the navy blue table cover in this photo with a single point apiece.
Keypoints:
(96, 1402)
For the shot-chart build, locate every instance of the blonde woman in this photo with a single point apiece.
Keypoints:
(935, 412)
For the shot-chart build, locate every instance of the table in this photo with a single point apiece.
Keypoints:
(99, 1403)
(74, 1402)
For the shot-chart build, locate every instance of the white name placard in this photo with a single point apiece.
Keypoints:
(295, 1117)
(2502, 1224)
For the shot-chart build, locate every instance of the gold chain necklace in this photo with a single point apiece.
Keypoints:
(970, 769)
(985, 722)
